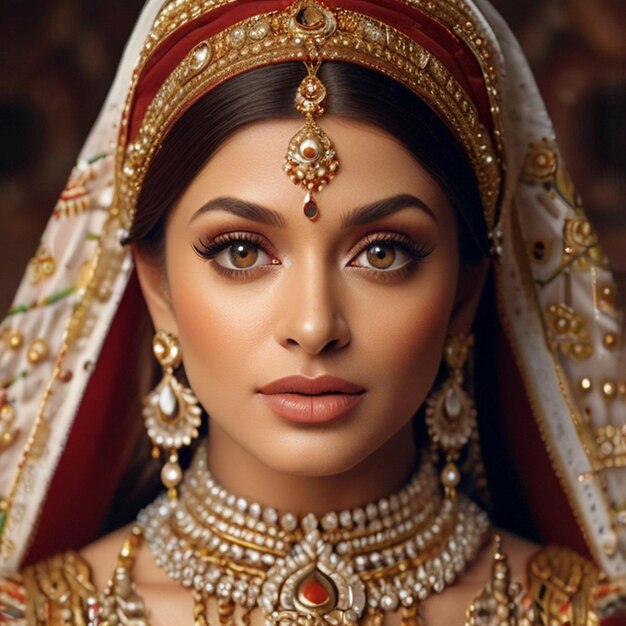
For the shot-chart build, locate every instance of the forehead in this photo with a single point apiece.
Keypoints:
(372, 165)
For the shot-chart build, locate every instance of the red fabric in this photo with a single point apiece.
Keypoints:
(545, 496)
(613, 620)
(444, 45)
(99, 444)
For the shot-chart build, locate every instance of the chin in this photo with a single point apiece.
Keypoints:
(315, 459)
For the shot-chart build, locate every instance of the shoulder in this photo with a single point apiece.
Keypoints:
(102, 555)
(563, 583)
(58, 589)
(48, 592)
(547, 585)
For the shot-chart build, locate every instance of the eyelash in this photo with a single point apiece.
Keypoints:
(209, 250)
(417, 253)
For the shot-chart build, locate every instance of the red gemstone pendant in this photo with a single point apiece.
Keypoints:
(310, 207)
(314, 592)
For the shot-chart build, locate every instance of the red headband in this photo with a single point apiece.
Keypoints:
(447, 47)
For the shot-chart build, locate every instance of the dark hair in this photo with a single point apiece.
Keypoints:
(267, 93)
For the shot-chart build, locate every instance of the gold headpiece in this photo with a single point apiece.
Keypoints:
(309, 32)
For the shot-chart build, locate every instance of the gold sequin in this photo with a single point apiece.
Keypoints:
(7, 418)
(38, 351)
(610, 446)
(41, 266)
(609, 388)
(6, 412)
(541, 163)
(609, 340)
(581, 242)
(606, 299)
(15, 339)
(571, 333)
(585, 385)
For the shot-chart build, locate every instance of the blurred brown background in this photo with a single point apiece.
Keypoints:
(58, 58)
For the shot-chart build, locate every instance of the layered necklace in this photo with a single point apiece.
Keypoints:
(344, 568)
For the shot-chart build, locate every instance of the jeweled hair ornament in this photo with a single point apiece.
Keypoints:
(180, 65)
(311, 159)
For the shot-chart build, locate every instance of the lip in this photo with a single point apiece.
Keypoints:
(311, 400)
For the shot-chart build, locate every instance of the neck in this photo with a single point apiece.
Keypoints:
(327, 561)
(383, 472)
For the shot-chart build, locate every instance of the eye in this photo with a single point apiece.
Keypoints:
(383, 256)
(242, 255)
(235, 252)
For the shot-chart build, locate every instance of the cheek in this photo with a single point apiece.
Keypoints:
(406, 326)
(218, 326)
(404, 344)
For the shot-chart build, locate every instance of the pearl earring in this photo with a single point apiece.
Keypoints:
(171, 411)
(450, 412)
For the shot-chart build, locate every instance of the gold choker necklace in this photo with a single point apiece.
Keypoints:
(343, 569)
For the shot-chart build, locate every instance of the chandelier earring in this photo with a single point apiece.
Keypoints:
(171, 411)
(450, 412)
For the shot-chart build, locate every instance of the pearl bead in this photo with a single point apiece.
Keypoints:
(171, 474)
(450, 475)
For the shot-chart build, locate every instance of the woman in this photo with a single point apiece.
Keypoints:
(317, 269)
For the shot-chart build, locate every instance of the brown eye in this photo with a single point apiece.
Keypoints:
(240, 255)
(381, 256)
(236, 253)
(243, 255)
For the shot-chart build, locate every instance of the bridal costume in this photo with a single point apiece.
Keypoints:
(69, 404)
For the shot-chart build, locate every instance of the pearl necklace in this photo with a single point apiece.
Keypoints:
(389, 555)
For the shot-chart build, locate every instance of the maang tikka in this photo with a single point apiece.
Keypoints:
(171, 413)
(311, 159)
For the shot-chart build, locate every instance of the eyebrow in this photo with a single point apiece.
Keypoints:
(381, 208)
(356, 217)
(242, 208)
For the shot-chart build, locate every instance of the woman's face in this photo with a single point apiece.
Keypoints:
(256, 293)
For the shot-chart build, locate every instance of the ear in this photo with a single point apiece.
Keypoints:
(470, 285)
(153, 282)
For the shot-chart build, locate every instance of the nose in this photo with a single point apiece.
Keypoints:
(310, 315)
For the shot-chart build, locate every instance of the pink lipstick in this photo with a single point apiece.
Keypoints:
(311, 400)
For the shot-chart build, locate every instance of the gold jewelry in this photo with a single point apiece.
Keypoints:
(500, 602)
(311, 161)
(340, 569)
(171, 411)
(450, 412)
(120, 603)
